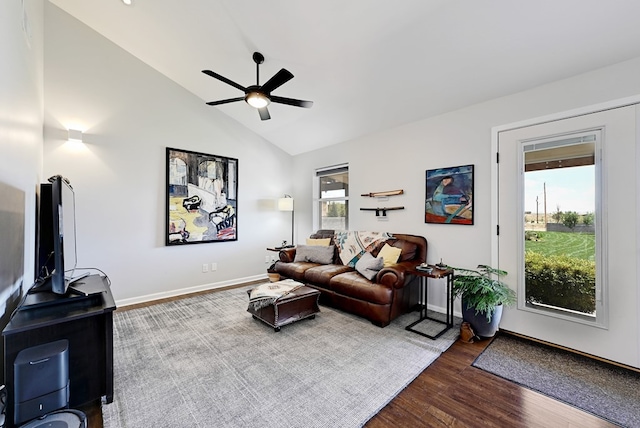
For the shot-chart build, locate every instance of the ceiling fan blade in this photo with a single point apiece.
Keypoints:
(291, 101)
(264, 113)
(225, 80)
(278, 79)
(230, 100)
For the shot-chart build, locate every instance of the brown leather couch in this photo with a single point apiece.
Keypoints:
(392, 292)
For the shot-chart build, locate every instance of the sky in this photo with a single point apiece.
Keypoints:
(572, 189)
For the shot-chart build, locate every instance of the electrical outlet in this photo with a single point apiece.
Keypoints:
(205, 267)
(214, 267)
(266, 259)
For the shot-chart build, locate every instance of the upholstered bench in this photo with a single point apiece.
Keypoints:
(299, 303)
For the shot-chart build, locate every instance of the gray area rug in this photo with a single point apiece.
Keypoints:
(605, 390)
(205, 362)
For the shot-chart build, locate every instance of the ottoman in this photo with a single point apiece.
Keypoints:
(298, 304)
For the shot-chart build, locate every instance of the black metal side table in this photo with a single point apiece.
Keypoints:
(435, 273)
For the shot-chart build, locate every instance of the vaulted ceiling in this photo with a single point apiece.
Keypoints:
(367, 65)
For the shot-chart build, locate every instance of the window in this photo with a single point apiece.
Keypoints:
(560, 235)
(332, 198)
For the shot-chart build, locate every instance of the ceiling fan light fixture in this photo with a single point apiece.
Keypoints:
(259, 96)
(257, 99)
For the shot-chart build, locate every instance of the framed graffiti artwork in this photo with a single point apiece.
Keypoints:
(202, 198)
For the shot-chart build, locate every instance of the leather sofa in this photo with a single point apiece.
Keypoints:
(392, 292)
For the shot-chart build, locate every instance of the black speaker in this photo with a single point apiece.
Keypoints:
(41, 379)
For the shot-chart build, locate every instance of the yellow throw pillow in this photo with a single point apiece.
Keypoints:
(389, 254)
(323, 242)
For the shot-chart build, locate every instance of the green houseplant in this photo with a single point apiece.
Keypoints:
(483, 297)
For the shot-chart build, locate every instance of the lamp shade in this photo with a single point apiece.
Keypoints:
(285, 204)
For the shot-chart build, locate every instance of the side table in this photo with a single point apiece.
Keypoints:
(436, 273)
(277, 249)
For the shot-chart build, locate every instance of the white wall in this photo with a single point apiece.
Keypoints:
(21, 114)
(129, 114)
(398, 158)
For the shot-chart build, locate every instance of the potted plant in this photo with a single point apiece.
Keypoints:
(483, 297)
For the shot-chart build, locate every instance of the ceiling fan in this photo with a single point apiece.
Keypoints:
(260, 96)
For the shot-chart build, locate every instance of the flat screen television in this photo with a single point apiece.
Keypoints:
(57, 236)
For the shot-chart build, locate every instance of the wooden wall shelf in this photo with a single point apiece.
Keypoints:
(380, 194)
(382, 211)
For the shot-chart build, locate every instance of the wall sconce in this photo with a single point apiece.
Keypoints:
(286, 204)
(75, 135)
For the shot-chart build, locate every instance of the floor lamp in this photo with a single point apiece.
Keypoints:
(286, 204)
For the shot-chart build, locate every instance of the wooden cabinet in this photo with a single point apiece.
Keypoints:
(86, 322)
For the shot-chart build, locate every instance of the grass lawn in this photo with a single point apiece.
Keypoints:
(578, 245)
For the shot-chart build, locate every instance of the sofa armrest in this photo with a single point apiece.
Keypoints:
(394, 276)
(287, 255)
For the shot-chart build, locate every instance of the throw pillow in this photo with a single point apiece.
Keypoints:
(389, 254)
(323, 241)
(314, 254)
(368, 266)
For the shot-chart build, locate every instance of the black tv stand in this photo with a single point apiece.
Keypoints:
(86, 322)
(42, 295)
(47, 298)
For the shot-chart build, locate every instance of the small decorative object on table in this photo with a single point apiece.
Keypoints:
(284, 245)
(425, 268)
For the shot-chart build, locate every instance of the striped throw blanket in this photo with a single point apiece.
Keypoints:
(266, 294)
(352, 245)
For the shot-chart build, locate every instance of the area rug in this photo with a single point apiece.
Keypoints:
(204, 361)
(605, 390)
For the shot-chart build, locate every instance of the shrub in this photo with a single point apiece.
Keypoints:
(533, 235)
(587, 219)
(570, 219)
(561, 281)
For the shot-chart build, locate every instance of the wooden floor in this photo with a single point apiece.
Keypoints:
(452, 393)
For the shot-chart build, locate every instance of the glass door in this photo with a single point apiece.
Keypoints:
(567, 231)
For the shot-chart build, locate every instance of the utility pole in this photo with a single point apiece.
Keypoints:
(545, 203)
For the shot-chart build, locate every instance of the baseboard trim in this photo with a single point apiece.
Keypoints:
(146, 300)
